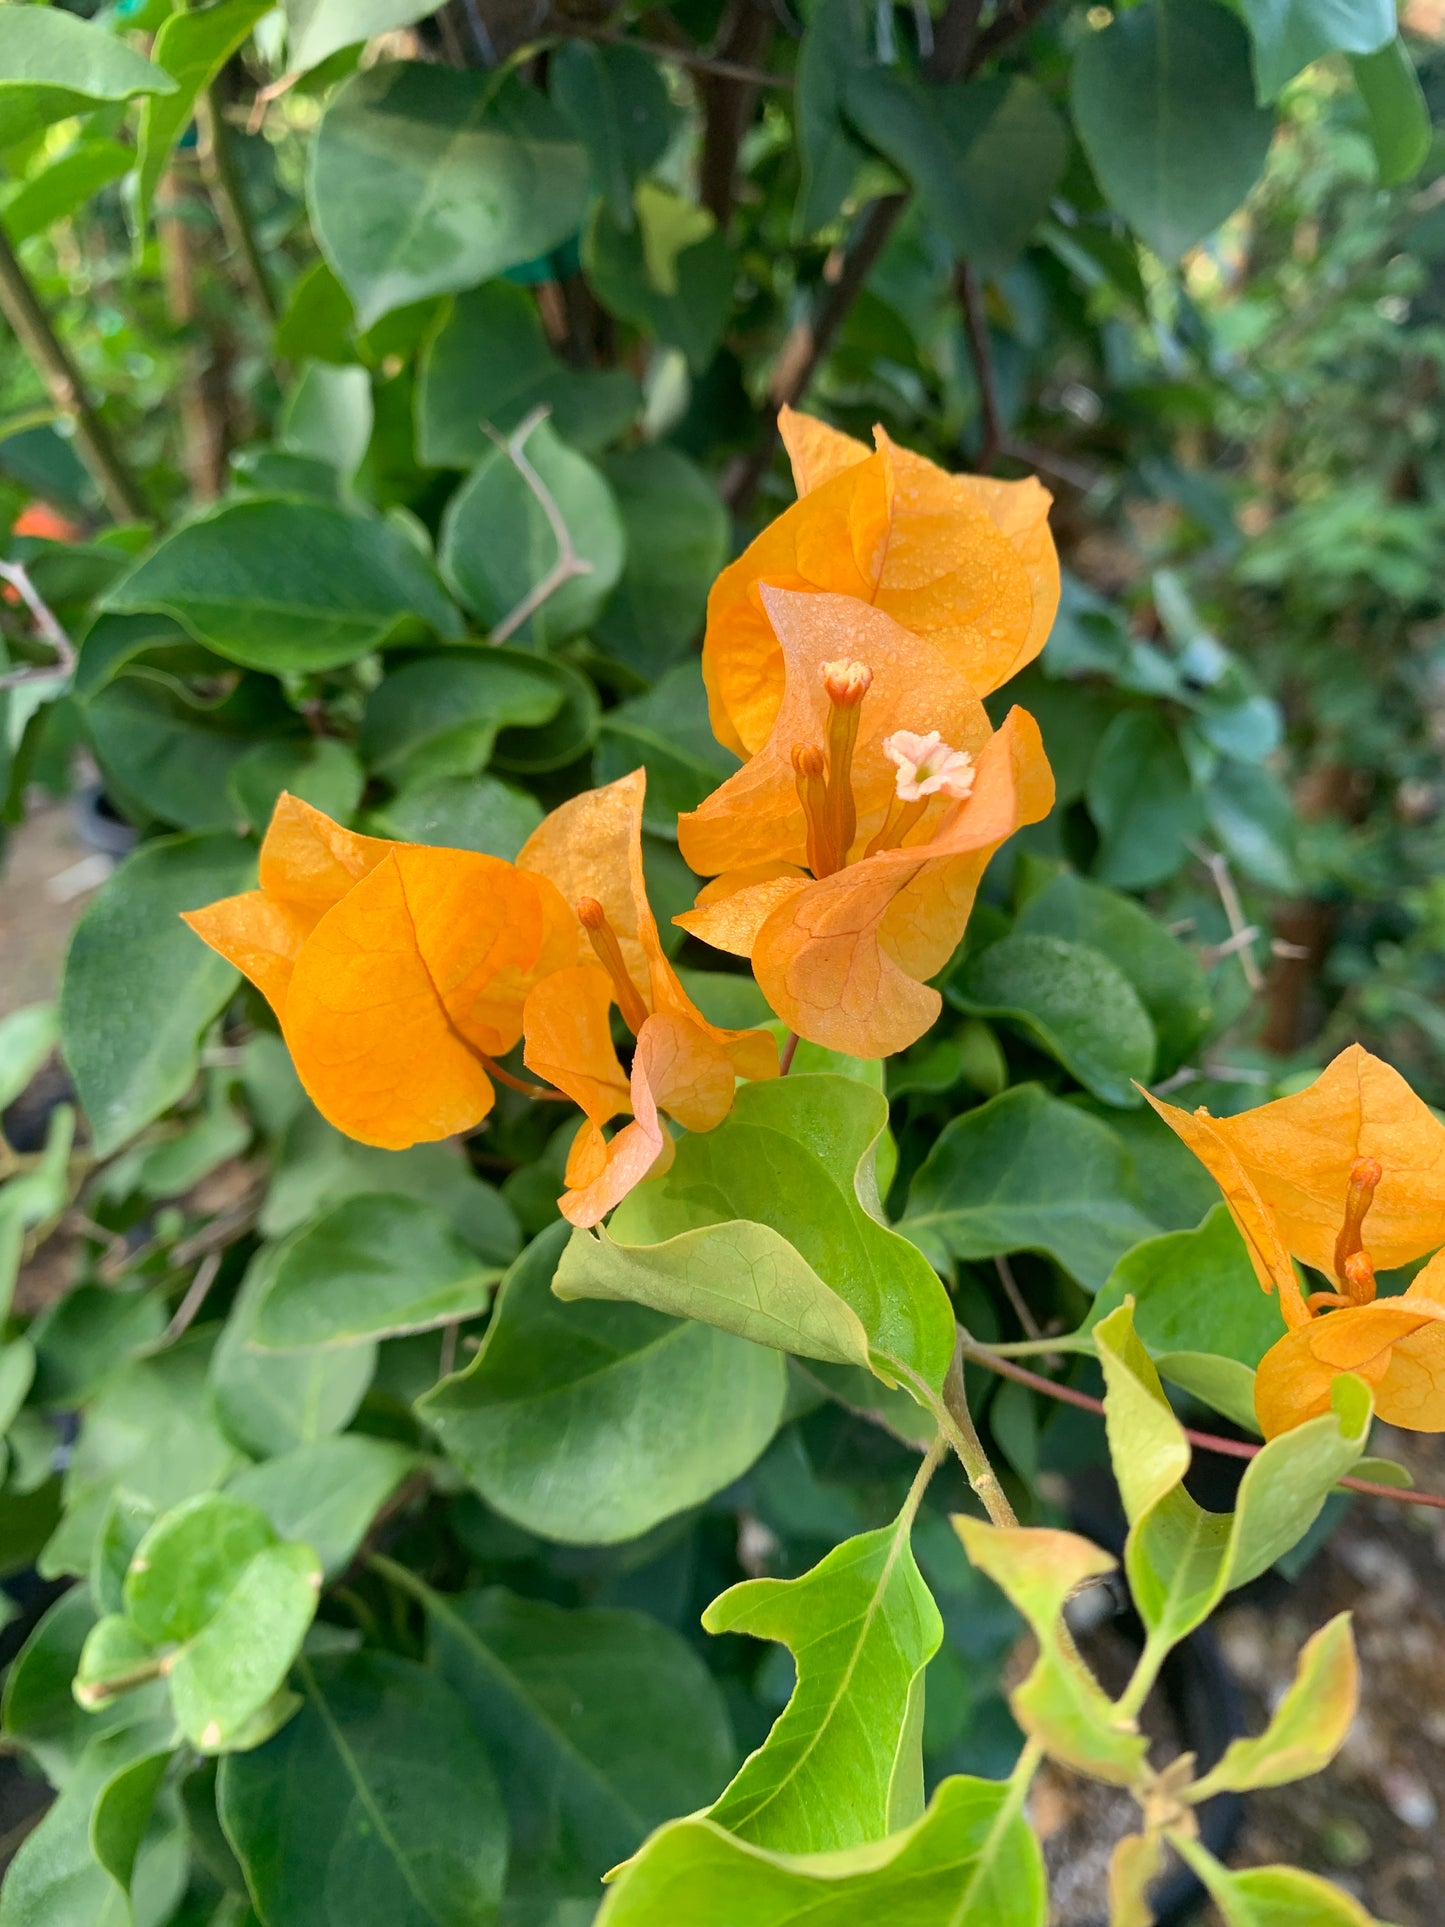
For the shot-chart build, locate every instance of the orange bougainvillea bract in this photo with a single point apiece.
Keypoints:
(962, 561)
(397, 971)
(590, 849)
(883, 778)
(1347, 1176)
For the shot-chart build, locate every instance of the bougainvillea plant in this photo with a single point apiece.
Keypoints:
(655, 947)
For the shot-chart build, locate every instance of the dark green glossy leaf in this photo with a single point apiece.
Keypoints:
(371, 1268)
(401, 1824)
(677, 541)
(326, 1493)
(498, 545)
(1140, 795)
(139, 989)
(440, 716)
(1028, 1173)
(319, 769)
(1163, 99)
(490, 363)
(557, 1419)
(426, 179)
(665, 732)
(689, 309)
(1398, 113)
(281, 585)
(836, 47)
(462, 813)
(617, 104)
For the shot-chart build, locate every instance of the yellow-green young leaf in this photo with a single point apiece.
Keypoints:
(1180, 1559)
(742, 1277)
(1271, 1896)
(972, 1858)
(1309, 1724)
(843, 1763)
(223, 1680)
(1060, 1704)
(1134, 1866)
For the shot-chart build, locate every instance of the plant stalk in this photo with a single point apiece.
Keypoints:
(962, 1433)
(52, 362)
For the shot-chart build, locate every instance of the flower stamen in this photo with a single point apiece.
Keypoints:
(1354, 1268)
(845, 684)
(809, 773)
(608, 951)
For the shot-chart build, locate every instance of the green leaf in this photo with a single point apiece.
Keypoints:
(320, 770)
(290, 586)
(1026, 1172)
(328, 417)
(273, 1402)
(462, 813)
(57, 191)
(122, 1813)
(53, 65)
(1306, 1729)
(1060, 1702)
(1180, 1559)
(27, 1037)
(1167, 976)
(1140, 793)
(1194, 1291)
(689, 311)
(489, 363)
(41, 1716)
(602, 1725)
(1163, 99)
(667, 733)
(115, 1658)
(972, 1857)
(224, 1679)
(1271, 1896)
(837, 46)
(1073, 1002)
(439, 716)
(427, 179)
(371, 1268)
(986, 156)
(738, 1276)
(556, 745)
(316, 29)
(188, 1562)
(617, 104)
(401, 1826)
(1251, 813)
(497, 544)
(1290, 34)
(56, 1878)
(326, 1493)
(677, 541)
(139, 989)
(169, 755)
(556, 1422)
(796, 1155)
(843, 1763)
(192, 48)
(1398, 113)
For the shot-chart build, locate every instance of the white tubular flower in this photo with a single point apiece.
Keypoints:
(927, 766)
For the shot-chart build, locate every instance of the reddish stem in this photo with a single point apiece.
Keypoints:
(788, 1053)
(494, 1069)
(1206, 1441)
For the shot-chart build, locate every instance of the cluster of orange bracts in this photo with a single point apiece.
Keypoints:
(846, 654)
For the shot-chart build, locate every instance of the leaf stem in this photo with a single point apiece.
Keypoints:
(788, 1053)
(52, 362)
(41, 614)
(962, 1435)
(494, 1069)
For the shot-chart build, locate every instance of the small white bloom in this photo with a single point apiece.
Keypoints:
(927, 766)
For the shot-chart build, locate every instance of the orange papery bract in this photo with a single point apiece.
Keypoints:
(394, 969)
(961, 560)
(1347, 1176)
(590, 849)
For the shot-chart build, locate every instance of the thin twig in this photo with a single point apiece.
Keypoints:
(224, 181)
(788, 1053)
(727, 104)
(1219, 870)
(541, 1091)
(52, 362)
(568, 564)
(975, 321)
(1015, 1297)
(1206, 1441)
(18, 577)
(189, 1308)
(684, 56)
(1215, 953)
